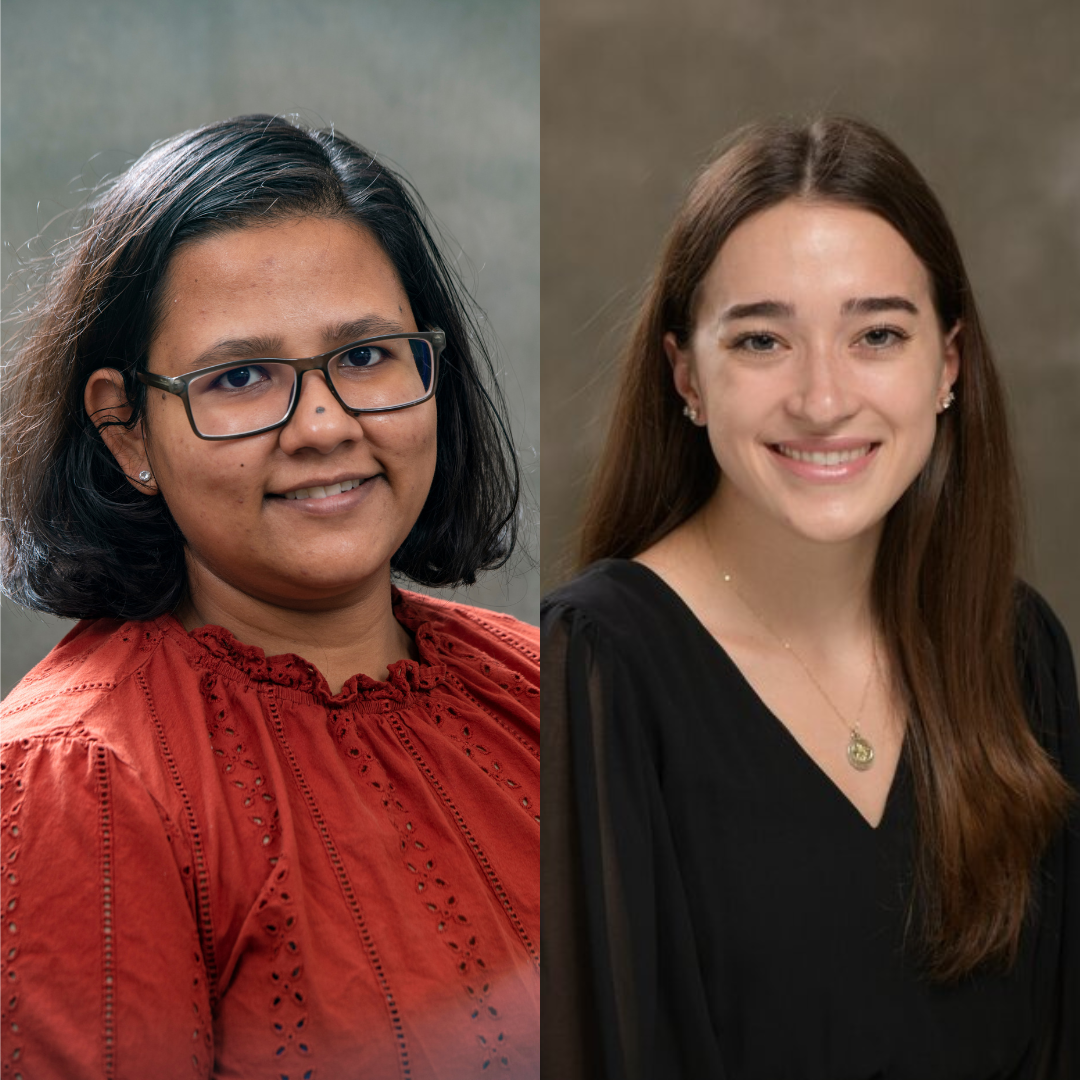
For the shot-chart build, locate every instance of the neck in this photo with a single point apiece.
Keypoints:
(344, 637)
(807, 587)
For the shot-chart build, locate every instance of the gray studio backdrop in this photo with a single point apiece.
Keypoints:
(985, 98)
(448, 90)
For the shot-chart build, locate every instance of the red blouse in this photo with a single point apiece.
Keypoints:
(215, 868)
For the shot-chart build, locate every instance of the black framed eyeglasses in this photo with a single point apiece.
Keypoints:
(248, 397)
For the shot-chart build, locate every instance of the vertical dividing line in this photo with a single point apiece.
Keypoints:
(108, 937)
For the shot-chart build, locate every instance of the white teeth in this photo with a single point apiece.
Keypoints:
(824, 457)
(322, 492)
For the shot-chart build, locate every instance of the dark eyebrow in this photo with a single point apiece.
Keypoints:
(778, 309)
(364, 327)
(265, 348)
(871, 305)
(759, 309)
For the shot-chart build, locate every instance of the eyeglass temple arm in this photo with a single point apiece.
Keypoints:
(162, 382)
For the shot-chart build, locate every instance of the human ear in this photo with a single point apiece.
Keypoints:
(951, 368)
(682, 371)
(107, 406)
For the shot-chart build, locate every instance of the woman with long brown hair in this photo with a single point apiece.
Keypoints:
(812, 745)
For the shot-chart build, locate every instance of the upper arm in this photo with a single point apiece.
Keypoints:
(103, 975)
(596, 849)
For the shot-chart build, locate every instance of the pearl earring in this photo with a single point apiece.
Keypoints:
(690, 413)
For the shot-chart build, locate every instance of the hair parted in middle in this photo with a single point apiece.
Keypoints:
(944, 590)
(79, 540)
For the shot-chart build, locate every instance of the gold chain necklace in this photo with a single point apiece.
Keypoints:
(860, 751)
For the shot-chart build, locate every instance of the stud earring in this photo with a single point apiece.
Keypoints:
(145, 475)
(690, 413)
(946, 401)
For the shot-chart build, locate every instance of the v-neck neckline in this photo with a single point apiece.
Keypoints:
(711, 643)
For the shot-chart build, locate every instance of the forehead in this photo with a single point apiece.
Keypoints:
(285, 281)
(294, 254)
(813, 255)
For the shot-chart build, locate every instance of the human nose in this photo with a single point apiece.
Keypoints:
(320, 421)
(822, 391)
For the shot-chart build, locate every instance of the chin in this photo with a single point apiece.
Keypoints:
(311, 584)
(838, 533)
(834, 529)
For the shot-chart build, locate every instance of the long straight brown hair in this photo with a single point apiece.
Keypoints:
(944, 589)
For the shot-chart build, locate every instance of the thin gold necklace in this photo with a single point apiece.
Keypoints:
(860, 751)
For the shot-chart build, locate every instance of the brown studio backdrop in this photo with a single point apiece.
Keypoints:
(447, 90)
(636, 95)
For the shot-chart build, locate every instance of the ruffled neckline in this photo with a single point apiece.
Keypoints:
(293, 672)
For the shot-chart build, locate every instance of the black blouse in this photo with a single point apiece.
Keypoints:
(715, 907)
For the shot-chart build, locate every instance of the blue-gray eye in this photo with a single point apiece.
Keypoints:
(760, 342)
(881, 336)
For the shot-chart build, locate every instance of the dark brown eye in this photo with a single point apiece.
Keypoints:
(363, 356)
(239, 378)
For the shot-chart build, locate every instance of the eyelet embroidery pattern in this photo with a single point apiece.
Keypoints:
(448, 720)
(382, 700)
(241, 773)
(201, 884)
(493, 879)
(204, 1026)
(288, 1004)
(12, 788)
(513, 682)
(66, 692)
(344, 883)
(435, 894)
(201, 1037)
(101, 767)
(503, 635)
(274, 906)
(488, 668)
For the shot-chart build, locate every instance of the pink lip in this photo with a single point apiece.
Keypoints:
(825, 474)
(331, 504)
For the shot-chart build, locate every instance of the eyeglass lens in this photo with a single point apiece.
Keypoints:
(259, 393)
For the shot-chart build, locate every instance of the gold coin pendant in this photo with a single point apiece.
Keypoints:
(860, 753)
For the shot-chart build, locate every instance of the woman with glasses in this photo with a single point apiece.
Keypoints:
(264, 813)
(813, 749)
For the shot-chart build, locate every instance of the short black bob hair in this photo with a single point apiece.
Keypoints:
(78, 539)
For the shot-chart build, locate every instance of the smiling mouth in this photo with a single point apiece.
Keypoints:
(324, 492)
(824, 457)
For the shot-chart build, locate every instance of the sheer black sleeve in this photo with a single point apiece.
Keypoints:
(621, 996)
